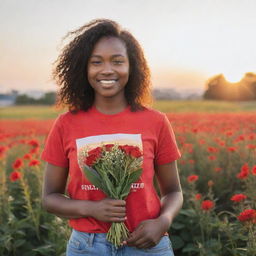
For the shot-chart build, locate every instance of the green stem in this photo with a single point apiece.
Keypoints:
(117, 233)
(29, 205)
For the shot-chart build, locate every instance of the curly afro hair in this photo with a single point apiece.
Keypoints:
(70, 71)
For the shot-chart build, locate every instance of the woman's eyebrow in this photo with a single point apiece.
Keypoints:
(112, 56)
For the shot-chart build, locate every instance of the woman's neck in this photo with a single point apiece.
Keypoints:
(110, 107)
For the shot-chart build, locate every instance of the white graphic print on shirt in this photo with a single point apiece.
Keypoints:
(88, 143)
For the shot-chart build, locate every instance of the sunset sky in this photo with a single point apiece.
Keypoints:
(185, 41)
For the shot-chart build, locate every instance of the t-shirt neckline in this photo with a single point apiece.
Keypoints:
(97, 112)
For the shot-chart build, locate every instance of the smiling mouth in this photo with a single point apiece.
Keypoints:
(104, 81)
(107, 83)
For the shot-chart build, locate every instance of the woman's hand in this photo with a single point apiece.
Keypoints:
(148, 233)
(109, 210)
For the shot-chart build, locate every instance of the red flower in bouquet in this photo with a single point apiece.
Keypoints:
(15, 175)
(131, 150)
(17, 164)
(247, 215)
(192, 178)
(108, 147)
(93, 155)
(238, 198)
(207, 205)
(113, 169)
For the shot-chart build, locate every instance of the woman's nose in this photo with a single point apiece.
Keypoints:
(107, 69)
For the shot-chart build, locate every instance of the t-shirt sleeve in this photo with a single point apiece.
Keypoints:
(54, 151)
(167, 150)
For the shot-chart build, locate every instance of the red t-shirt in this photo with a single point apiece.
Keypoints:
(149, 129)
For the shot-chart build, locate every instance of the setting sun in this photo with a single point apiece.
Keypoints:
(233, 77)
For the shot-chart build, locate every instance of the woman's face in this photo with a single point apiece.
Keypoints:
(108, 68)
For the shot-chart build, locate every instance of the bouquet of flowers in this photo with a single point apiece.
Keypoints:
(113, 168)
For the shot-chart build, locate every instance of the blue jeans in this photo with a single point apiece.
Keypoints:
(95, 244)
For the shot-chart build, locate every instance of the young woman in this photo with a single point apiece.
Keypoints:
(105, 82)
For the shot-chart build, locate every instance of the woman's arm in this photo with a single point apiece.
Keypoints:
(149, 232)
(55, 201)
(171, 193)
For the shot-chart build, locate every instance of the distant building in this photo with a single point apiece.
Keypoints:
(172, 94)
(8, 99)
(165, 94)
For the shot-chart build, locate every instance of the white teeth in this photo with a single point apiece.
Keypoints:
(107, 81)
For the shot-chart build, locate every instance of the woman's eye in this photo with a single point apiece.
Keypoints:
(118, 62)
(95, 62)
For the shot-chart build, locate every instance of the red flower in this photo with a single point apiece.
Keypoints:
(207, 205)
(195, 130)
(108, 147)
(251, 146)
(251, 137)
(202, 141)
(192, 178)
(17, 164)
(27, 156)
(217, 169)
(247, 215)
(198, 196)
(34, 143)
(93, 155)
(238, 198)
(131, 150)
(232, 149)
(244, 173)
(245, 168)
(222, 143)
(254, 170)
(213, 150)
(34, 150)
(135, 152)
(191, 161)
(240, 138)
(229, 133)
(34, 162)
(212, 157)
(15, 175)
(3, 149)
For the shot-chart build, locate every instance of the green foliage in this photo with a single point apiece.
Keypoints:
(26, 229)
(48, 98)
(180, 106)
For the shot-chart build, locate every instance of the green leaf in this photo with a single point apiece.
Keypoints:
(186, 236)
(188, 212)
(110, 187)
(45, 249)
(94, 178)
(177, 225)
(190, 248)
(18, 243)
(134, 176)
(177, 242)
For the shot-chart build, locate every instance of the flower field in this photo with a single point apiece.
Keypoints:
(217, 171)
